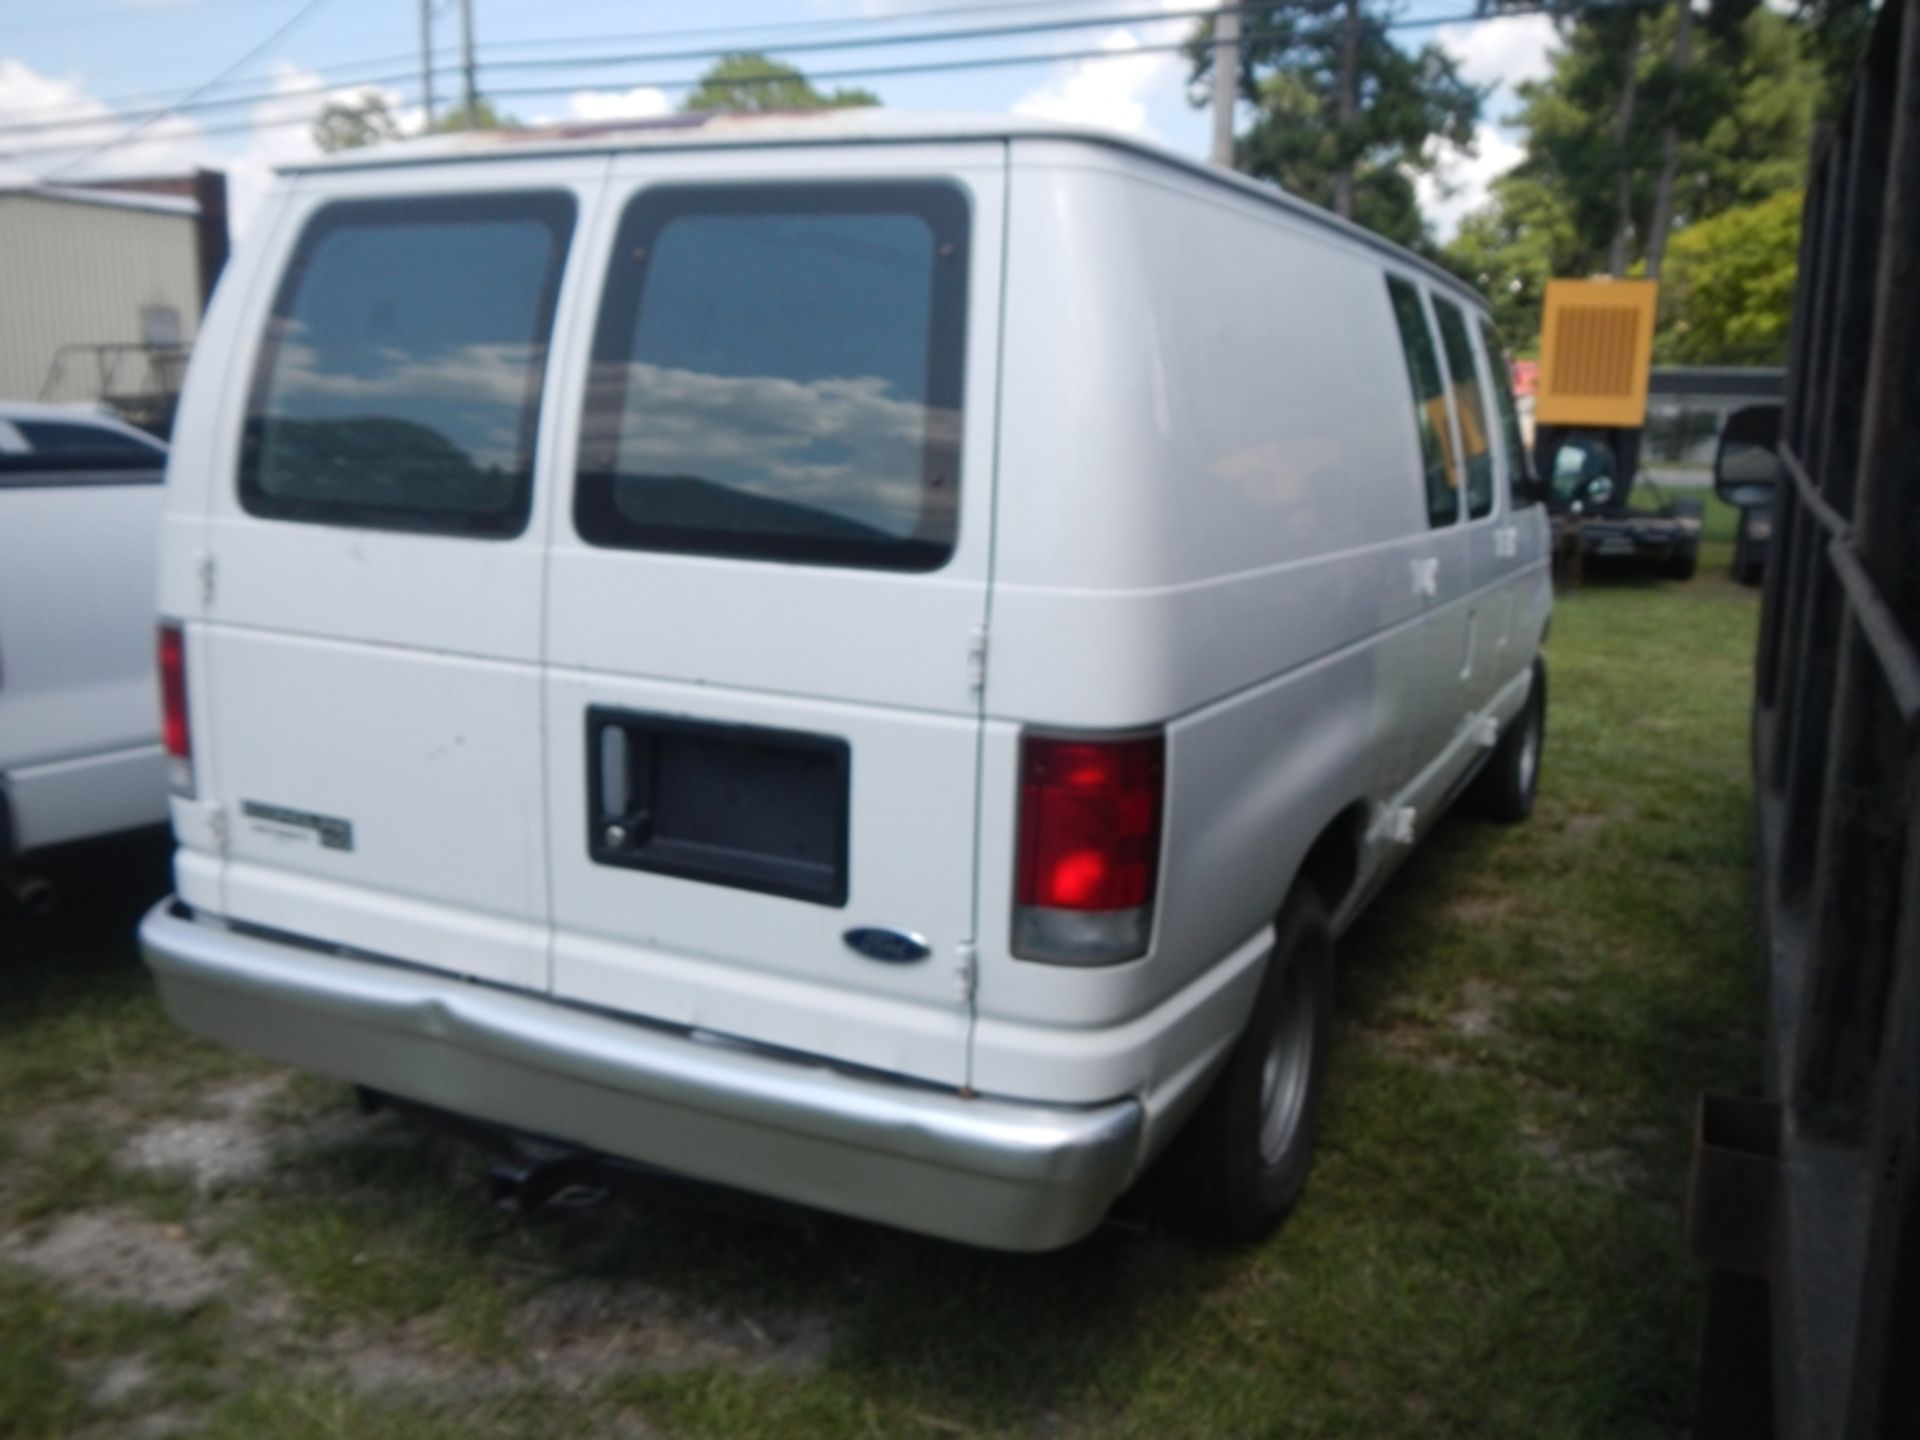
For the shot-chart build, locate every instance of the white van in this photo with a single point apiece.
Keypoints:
(865, 658)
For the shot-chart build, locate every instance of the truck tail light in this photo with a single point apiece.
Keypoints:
(1089, 851)
(174, 731)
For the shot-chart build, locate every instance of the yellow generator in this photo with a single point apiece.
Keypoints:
(1596, 358)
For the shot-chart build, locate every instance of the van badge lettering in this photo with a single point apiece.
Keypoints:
(332, 832)
(892, 947)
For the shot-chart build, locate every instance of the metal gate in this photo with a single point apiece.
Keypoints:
(1827, 1226)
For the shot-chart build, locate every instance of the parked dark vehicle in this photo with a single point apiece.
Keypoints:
(1745, 473)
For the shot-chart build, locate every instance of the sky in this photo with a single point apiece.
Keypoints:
(94, 67)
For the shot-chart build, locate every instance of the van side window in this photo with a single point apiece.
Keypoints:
(1470, 405)
(1513, 446)
(1429, 404)
(398, 386)
(777, 375)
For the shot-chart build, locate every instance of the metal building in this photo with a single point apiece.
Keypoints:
(100, 294)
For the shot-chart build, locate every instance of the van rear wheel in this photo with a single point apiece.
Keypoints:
(1241, 1164)
(1504, 790)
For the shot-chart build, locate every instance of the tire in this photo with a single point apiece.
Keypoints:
(1683, 565)
(1239, 1167)
(1504, 791)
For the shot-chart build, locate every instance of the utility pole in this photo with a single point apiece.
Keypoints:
(1347, 108)
(426, 64)
(1226, 81)
(466, 63)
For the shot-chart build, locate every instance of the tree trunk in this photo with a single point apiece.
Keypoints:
(1620, 254)
(1346, 107)
(1662, 221)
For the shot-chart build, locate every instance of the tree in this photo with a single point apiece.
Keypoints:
(1509, 249)
(485, 117)
(1346, 118)
(1729, 283)
(367, 120)
(751, 81)
(1607, 126)
(349, 124)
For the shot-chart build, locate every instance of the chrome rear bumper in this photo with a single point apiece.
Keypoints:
(984, 1171)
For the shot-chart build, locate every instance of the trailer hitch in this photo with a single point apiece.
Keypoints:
(566, 1182)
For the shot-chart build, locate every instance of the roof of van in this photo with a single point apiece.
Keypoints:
(860, 125)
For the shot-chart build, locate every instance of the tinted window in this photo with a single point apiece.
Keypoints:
(1469, 404)
(59, 437)
(1429, 403)
(776, 374)
(399, 384)
(1513, 445)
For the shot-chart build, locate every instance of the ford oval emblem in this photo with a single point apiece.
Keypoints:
(893, 947)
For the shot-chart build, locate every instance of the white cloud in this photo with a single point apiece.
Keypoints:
(1501, 52)
(641, 103)
(1460, 184)
(282, 133)
(1107, 92)
(28, 97)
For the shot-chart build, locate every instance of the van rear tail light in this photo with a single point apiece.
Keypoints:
(1089, 854)
(174, 731)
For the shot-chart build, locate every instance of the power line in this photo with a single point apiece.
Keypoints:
(281, 31)
(856, 42)
(194, 105)
(681, 84)
(450, 53)
(201, 107)
(897, 17)
(930, 37)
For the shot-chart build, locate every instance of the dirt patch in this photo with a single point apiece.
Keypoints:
(115, 1255)
(1409, 1042)
(1609, 1166)
(235, 1137)
(1478, 1016)
(1475, 910)
(1592, 821)
(580, 1332)
(120, 1378)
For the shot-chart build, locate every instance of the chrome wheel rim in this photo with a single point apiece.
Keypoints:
(1286, 1071)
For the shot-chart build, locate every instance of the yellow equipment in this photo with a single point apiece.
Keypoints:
(1596, 353)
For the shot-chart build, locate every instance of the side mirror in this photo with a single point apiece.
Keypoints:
(1746, 468)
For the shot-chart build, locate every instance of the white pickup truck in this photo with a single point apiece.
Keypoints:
(80, 752)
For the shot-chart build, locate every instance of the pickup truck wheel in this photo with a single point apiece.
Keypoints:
(1504, 791)
(1240, 1165)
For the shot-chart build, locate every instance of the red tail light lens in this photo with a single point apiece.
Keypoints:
(174, 731)
(1089, 854)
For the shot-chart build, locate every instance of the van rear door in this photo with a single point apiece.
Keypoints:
(376, 566)
(766, 603)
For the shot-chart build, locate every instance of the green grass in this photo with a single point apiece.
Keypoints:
(1490, 1245)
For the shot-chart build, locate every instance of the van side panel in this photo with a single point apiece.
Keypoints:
(1211, 518)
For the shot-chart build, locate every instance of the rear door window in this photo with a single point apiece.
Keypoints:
(1437, 454)
(399, 384)
(777, 375)
(1514, 445)
(1470, 404)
